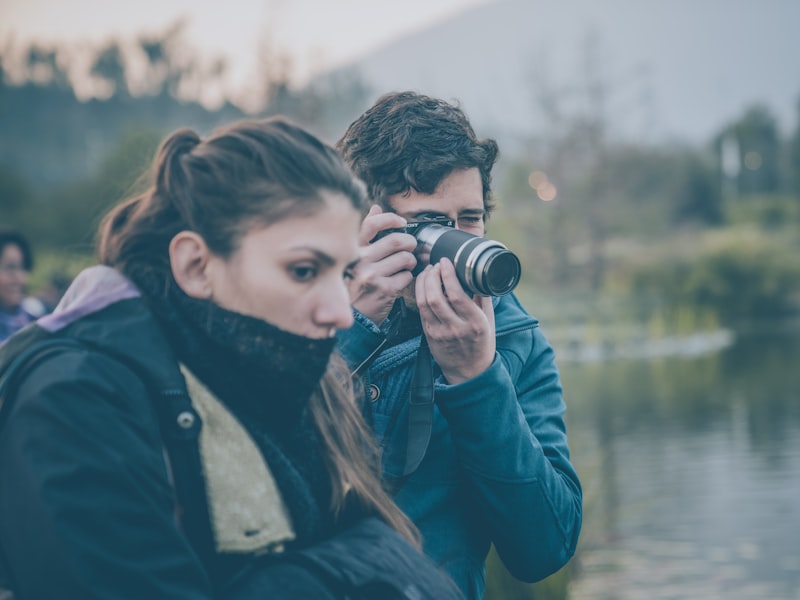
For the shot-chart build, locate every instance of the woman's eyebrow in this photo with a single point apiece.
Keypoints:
(321, 256)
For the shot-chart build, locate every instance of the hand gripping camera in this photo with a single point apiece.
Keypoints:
(484, 267)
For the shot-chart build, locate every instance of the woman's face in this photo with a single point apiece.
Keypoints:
(12, 277)
(292, 272)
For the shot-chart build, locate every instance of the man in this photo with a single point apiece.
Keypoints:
(496, 467)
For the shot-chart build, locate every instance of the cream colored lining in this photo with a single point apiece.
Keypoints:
(247, 511)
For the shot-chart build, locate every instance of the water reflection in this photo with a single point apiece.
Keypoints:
(691, 470)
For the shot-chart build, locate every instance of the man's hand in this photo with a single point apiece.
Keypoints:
(460, 330)
(385, 265)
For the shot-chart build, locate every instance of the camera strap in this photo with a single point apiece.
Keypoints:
(420, 400)
(420, 409)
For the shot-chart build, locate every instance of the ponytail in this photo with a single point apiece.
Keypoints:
(172, 180)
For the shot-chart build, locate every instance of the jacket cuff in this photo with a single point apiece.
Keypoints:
(481, 397)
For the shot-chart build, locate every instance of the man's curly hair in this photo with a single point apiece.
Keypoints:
(409, 141)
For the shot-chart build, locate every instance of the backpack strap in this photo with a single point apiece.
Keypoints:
(26, 360)
(9, 377)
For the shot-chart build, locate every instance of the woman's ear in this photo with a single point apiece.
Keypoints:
(189, 257)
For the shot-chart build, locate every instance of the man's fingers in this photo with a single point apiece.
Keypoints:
(433, 303)
(452, 286)
(377, 221)
(384, 264)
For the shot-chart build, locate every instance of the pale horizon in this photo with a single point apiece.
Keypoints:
(315, 35)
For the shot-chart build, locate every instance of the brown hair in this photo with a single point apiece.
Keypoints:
(253, 172)
(409, 141)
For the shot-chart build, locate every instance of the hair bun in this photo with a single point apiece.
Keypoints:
(170, 155)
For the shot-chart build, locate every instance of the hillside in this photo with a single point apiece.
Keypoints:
(677, 70)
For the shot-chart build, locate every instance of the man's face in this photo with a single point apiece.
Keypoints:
(459, 197)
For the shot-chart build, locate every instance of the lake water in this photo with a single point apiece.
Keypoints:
(691, 472)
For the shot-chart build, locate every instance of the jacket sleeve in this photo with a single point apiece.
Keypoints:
(508, 429)
(86, 505)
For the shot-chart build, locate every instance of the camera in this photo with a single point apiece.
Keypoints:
(484, 267)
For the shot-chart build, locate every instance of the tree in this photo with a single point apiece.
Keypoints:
(756, 134)
(794, 156)
(43, 68)
(169, 63)
(109, 67)
(696, 195)
(16, 194)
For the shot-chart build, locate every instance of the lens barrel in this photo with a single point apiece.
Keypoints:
(483, 266)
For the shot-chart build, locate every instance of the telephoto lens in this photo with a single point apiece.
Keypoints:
(484, 267)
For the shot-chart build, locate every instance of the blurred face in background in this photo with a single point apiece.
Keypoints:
(13, 277)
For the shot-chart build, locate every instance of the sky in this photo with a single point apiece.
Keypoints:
(316, 34)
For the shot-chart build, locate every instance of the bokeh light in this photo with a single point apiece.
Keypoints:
(545, 189)
(547, 192)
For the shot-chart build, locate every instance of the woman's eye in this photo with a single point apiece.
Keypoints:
(348, 274)
(303, 272)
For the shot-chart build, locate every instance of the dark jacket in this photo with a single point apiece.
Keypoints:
(103, 490)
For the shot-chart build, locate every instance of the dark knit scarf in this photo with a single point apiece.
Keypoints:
(265, 376)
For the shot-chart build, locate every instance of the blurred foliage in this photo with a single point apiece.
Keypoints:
(792, 166)
(739, 276)
(54, 271)
(73, 211)
(768, 213)
(759, 151)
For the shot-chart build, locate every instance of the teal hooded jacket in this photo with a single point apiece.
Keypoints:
(497, 468)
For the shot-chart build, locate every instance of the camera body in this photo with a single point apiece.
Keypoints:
(484, 267)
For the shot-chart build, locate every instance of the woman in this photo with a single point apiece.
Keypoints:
(188, 434)
(16, 261)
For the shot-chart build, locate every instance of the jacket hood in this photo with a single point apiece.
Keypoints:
(106, 311)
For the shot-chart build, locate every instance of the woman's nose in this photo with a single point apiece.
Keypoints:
(335, 310)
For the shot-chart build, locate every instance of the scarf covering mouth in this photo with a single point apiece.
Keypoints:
(263, 371)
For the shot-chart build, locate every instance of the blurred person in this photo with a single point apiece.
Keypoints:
(179, 426)
(16, 262)
(496, 468)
